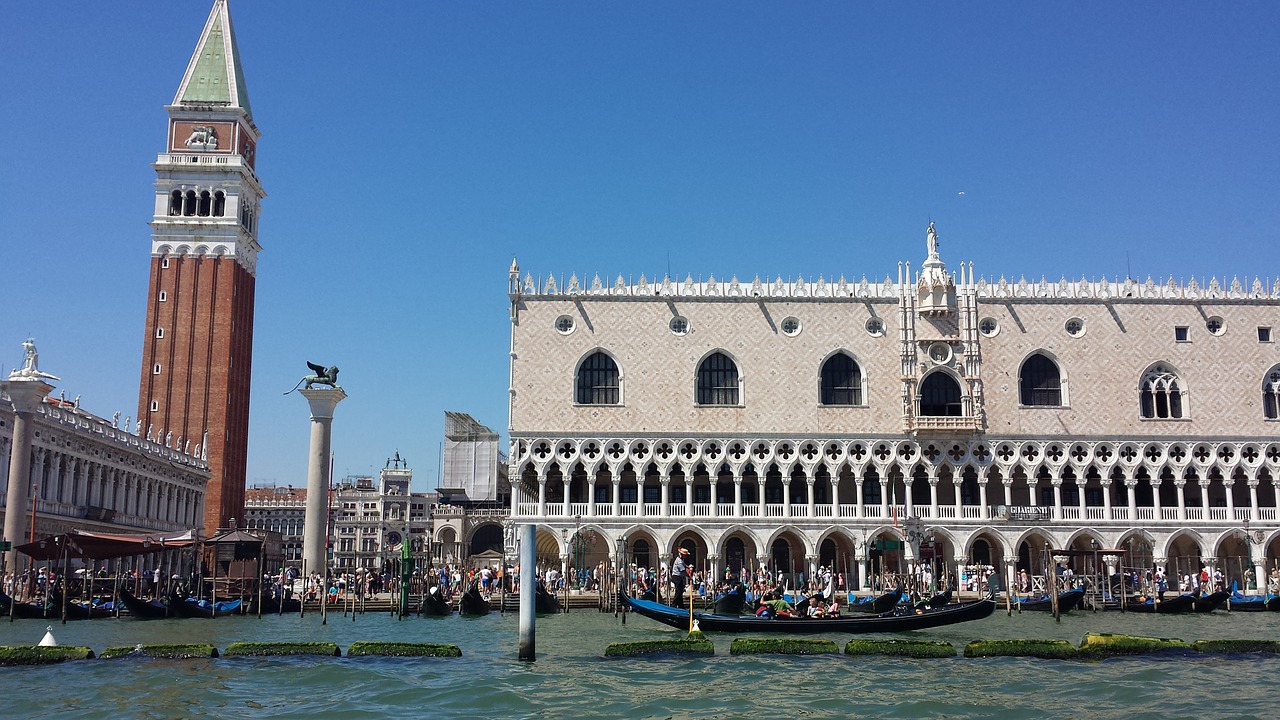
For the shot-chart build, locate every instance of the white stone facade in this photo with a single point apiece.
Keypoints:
(1155, 436)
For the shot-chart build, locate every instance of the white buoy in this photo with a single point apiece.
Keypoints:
(47, 640)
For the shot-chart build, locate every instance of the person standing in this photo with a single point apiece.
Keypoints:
(679, 568)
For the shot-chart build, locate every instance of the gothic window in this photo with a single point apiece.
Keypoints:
(597, 382)
(175, 203)
(206, 204)
(219, 204)
(1271, 394)
(1162, 394)
(189, 203)
(1039, 382)
(940, 396)
(841, 381)
(717, 381)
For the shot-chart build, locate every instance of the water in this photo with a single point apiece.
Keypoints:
(572, 679)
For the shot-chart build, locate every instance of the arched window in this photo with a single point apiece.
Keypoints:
(175, 203)
(206, 204)
(1162, 394)
(717, 380)
(841, 381)
(1271, 394)
(189, 204)
(219, 204)
(597, 382)
(1039, 382)
(940, 396)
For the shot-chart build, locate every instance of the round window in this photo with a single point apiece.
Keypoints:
(875, 327)
(1215, 325)
(679, 325)
(940, 353)
(790, 326)
(1075, 327)
(564, 324)
(989, 327)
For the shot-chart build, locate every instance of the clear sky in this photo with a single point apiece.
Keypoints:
(411, 149)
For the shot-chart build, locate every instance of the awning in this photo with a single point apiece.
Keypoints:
(87, 545)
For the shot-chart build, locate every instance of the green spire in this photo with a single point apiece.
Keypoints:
(214, 76)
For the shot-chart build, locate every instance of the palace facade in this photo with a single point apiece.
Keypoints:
(873, 424)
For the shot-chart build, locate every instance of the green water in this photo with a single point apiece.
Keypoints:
(572, 679)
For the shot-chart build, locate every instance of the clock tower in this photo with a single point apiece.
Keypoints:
(198, 348)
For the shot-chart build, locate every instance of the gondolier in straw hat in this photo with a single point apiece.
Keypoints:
(679, 571)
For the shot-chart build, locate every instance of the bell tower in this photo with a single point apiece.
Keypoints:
(198, 348)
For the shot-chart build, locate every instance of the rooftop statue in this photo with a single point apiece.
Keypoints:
(323, 376)
(31, 365)
(932, 240)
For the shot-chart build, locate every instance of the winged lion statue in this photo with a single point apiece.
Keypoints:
(323, 376)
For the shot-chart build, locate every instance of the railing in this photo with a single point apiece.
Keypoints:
(1242, 513)
(1267, 514)
(773, 510)
(823, 511)
(1146, 513)
(1195, 513)
(1094, 513)
(1168, 513)
(750, 510)
(971, 512)
(1216, 513)
(1119, 513)
(702, 509)
(946, 512)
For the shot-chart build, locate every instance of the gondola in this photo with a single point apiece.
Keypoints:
(271, 606)
(1068, 600)
(731, 601)
(1172, 606)
(899, 620)
(1209, 603)
(434, 603)
(472, 602)
(193, 608)
(544, 602)
(143, 609)
(879, 604)
(24, 610)
(1253, 603)
(77, 610)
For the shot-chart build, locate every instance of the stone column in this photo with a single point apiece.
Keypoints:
(617, 492)
(25, 393)
(835, 496)
(809, 482)
(640, 493)
(1229, 484)
(664, 479)
(760, 481)
(786, 496)
(933, 497)
(542, 492)
(984, 510)
(1106, 498)
(688, 495)
(315, 531)
(884, 496)
(861, 560)
(737, 495)
(1182, 499)
(1253, 500)
(1057, 498)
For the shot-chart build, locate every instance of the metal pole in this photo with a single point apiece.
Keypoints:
(528, 589)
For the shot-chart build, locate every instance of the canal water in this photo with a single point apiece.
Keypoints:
(572, 679)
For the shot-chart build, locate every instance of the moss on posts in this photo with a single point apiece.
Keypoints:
(782, 646)
(1101, 645)
(36, 655)
(265, 649)
(660, 647)
(1047, 649)
(402, 649)
(166, 652)
(1271, 647)
(901, 648)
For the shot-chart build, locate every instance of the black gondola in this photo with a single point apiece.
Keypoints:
(193, 608)
(731, 601)
(1253, 603)
(1209, 603)
(271, 606)
(1172, 606)
(1068, 600)
(899, 620)
(472, 602)
(25, 610)
(143, 609)
(879, 604)
(76, 610)
(434, 603)
(544, 602)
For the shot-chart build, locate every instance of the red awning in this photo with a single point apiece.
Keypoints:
(86, 545)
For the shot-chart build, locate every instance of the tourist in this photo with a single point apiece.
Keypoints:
(815, 609)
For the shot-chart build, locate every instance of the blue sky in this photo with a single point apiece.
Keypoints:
(410, 149)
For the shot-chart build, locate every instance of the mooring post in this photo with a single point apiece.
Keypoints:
(528, 591)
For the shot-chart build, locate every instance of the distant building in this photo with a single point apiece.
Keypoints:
(91, 473)
(475, 469)
(369, 520)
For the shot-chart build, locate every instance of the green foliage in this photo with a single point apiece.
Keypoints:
(782, 646)
(1049, 649)
(1237, 646)
(262, 649)
(1100, 645)
(35, 655)
(402, 649)
(901, 648)
(660, 647)
(167, 652)
(696, 635)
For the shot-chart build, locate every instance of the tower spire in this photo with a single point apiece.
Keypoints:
(214, 76)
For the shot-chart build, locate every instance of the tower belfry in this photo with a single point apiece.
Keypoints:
(198, 348)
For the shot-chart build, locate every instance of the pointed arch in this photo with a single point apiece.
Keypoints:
(1040, 382)
(1162, 393)
(718, 381)
(1271, 394)
(597, 380)
(840, 380)
(940, 395)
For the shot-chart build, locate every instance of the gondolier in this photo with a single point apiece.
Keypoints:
(679, 570)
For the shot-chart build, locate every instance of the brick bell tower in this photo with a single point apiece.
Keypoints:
(198, 349)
